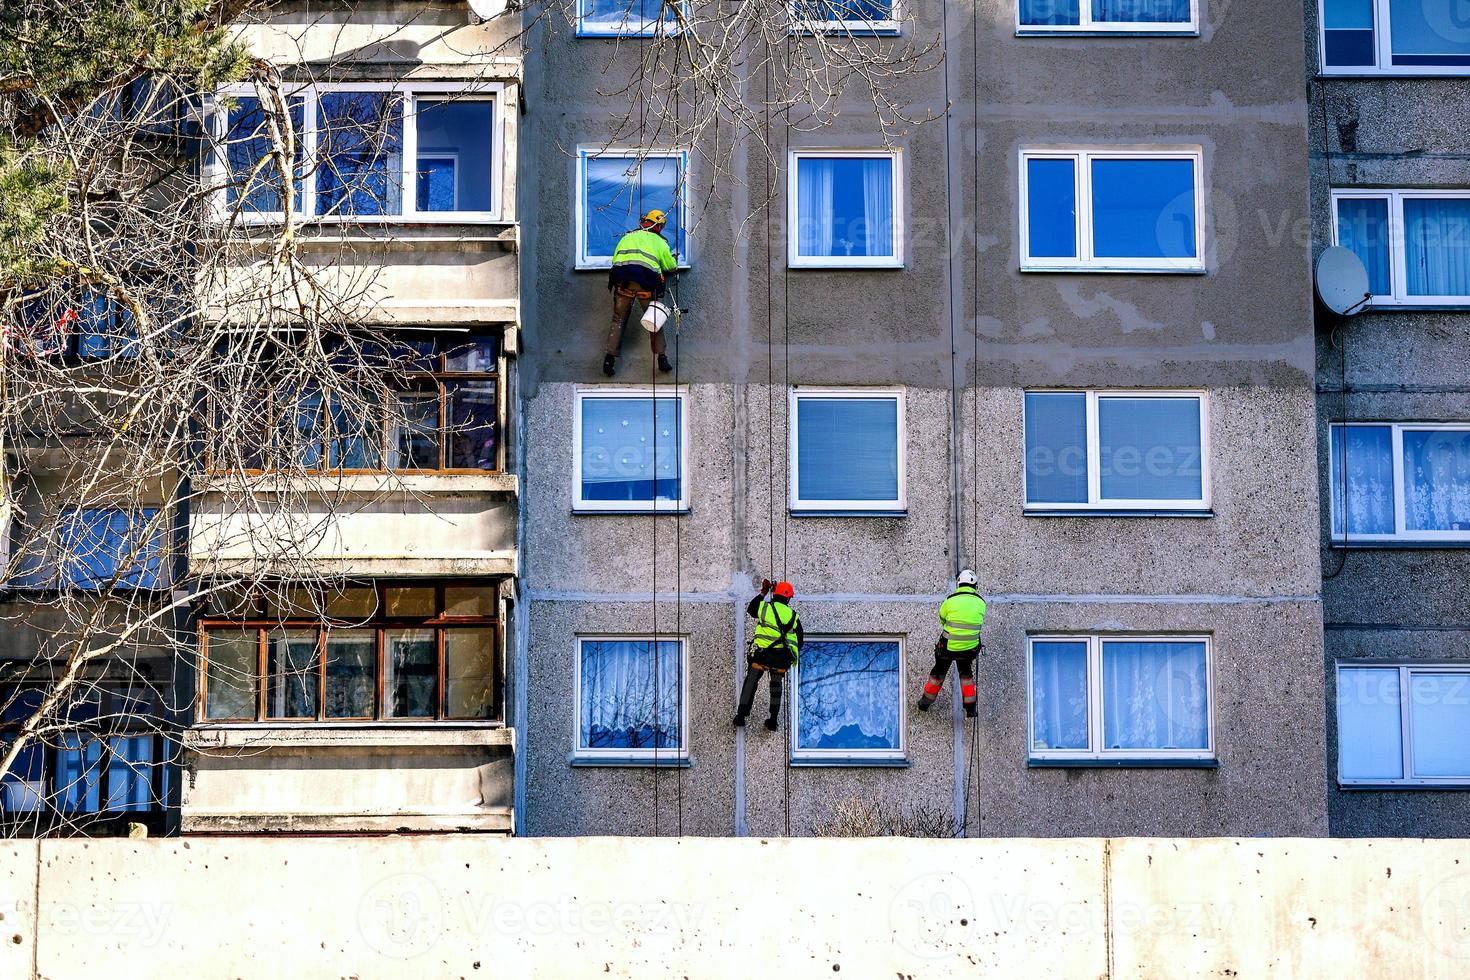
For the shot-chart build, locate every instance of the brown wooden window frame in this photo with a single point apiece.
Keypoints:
(381, 623)
(439, 379)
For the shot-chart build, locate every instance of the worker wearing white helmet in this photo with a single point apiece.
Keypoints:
(960, 617)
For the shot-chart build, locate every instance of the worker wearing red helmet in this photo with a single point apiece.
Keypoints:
(773, 649)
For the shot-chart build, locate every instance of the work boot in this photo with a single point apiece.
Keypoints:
(664, 365)
(925, 702)
(771, 724)
(739, 721)
(970, 711)
(609, 365)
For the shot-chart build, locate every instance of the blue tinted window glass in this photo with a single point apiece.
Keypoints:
(844, 206)
(1051, 208)
(621, 16)
(23, 787)
(95, 546)
(1049, 13)
(1362, 226)
(1143, 209)
(130, 773)
(254, 181)
(1155, 695)
(1056, 447)
(847, 449)
(360, 153)
(1059, 695)
(1347, 33)
(1437, 246)
(1439, 717)
(1140, 11)
(1428, 32)
(619, 191)
(1369, 731)
(621, 705)
(847, 696)
(1363, 456)
(78, 773)
(843, 10)
(1436, 480)
(454, 140)
(628, 453)
(1149, 448)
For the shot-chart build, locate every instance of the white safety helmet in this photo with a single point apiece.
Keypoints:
(967, 577)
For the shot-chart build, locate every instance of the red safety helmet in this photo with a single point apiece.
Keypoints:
(784, 590)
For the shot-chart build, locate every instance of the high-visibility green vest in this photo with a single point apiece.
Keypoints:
(775, 626)
(645, 248)
(961, 616)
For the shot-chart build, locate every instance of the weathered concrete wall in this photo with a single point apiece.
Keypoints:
(457, 906)
(959, 313)
(1393, 604)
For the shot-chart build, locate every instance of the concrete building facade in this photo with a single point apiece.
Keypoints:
(1389, 177)
(969, 332)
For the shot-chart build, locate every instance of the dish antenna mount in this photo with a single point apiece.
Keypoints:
(1342, 281)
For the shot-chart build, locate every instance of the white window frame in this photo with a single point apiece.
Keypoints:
(1382, 49)
(850, 756)
(648, 756)
(1086, 25)
(640, 392)
(1085, 261)
(887, 26)
(1095, 751)
(796, 260)
(895, 392)
(216, 170)
(644, 28)
(1095, 500)
(586, 260)
(1401, 532)
(1406, 728)
(453, 157)
(1397, 252)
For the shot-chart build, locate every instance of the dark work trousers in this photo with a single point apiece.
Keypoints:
(764, 662)
(965, 660)
(623, 296)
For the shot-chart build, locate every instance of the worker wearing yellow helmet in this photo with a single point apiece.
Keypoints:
(642, 263)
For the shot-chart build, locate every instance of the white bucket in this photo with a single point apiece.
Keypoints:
(655, 317)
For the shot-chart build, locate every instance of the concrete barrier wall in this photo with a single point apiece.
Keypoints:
(623, 907)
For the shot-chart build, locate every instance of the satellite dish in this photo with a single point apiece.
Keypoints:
(1342, 281)
(489, 9)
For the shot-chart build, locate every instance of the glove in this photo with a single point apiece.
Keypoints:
(767, 585)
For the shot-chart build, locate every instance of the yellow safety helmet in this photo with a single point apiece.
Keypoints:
(655, 217)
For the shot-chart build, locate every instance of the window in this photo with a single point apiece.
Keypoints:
(1405, 481)
(1400, 725)
(617, 187)
(626, 18)
(845, 16)
(97, 548)
(1120, 697)
(1420, 37)
(848, 209)
(1116, 450)
(109, 755)
(849, 700)
(847, 450)
(1415, 244)
(1112, 210)
(630, 703)
(357, 148)
(444, 416)
(384, 652)
(630, 449)
(1107, 16)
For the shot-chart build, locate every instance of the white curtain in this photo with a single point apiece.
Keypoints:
(1155, 696)
(1364, 453)
(1437, 243)
(1437, 481)
(1141, 11)
(1059, 695)
(816, 214)
(621, 709)
(878, 206)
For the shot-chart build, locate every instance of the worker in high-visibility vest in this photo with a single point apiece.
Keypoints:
(960, 617)
(775, 646)
(642, 264)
